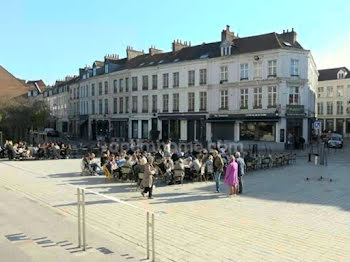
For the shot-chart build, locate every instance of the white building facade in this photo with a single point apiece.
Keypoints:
(254, 89)
(333, 100)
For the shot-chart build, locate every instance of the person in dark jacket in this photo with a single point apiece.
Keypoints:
(218, 166)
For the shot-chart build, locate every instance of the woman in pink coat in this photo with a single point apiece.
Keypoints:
(231, 176)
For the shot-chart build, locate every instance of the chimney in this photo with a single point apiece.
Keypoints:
(228, 35)
(290, 36)
(111, 57)
(131, 53)
(178, 45)
(153, 50)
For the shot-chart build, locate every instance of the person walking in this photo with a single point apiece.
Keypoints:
(147, 180)
(231, 176)
(241, 171)
(218, 166)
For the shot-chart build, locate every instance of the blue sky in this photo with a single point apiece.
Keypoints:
(51, 39)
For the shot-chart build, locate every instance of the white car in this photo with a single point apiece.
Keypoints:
(336, 141)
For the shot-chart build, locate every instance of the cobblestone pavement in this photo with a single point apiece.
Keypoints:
(280, 217)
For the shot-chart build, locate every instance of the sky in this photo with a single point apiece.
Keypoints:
(43, 39)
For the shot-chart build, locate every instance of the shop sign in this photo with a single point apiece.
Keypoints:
(295, 111)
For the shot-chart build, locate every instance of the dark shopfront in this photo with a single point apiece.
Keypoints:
(99, 128)
(171, 127)
(294, 136)
(252, 127)
(120, 128)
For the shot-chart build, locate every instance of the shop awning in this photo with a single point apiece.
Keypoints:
(268, 117)
(119, 119)
(181, 117)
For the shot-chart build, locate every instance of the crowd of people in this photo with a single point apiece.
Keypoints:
(22, 150)
(169, 166)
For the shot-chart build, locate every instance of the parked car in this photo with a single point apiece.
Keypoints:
(336, 141)
(51, 132)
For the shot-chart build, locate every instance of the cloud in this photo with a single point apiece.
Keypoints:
(333, 54)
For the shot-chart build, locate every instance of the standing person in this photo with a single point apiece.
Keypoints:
(147, 180)
(241, 171)
(231, 176)
(167, 149)
(218, 165)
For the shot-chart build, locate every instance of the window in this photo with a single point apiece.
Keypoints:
(100, 91)
(121, 85)
(165, 80)
(106, 106)
(341, 74)
(165, 103)
(100, 106)
(272, 68)
(294, 67)
(93, 107)
(191, 102)
(106, 87)
(257, 97)
(154, 103)
(92, 89)
(115, 86)
(145, 104)
(258, 69)
(203, 77)
(224, 99)
(244, 71)
(135, 128)
(223, 74)
(176, 79)
(329, 91)
(127, 84)
(121, 105)
(175, 102)
(340, 108)
(294, 95)
(154, 82)
(134, 104)
(272, 96)
(134, 83)
(329, 108)
(320, 108)
(127, 105)
(115, 105)
(320, 91)
(203, 101)
(144, 82)
(144, 127)
(340, 91)
(191, 78)
(244, 98)
(257, 131)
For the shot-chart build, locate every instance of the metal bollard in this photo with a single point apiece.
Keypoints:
(79, 226)
(147, 234)
(83, 215)
(153, 244)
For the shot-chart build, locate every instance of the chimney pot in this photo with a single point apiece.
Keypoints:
(227, 28)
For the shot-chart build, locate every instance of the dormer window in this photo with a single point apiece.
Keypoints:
(94, 71)
(225, 48)
(106, 68)
(341, 74)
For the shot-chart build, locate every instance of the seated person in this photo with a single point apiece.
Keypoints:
(196, 165)
(92, 163)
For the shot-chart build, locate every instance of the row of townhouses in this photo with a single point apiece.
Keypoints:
(333, 100)
(252, 89)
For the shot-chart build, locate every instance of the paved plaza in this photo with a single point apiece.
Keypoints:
(280, 217)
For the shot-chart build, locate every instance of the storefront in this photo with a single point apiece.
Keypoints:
(329, 125)
(119, 128)
(187, 127)
(244, 127)
(295, 116)
(84, 126)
